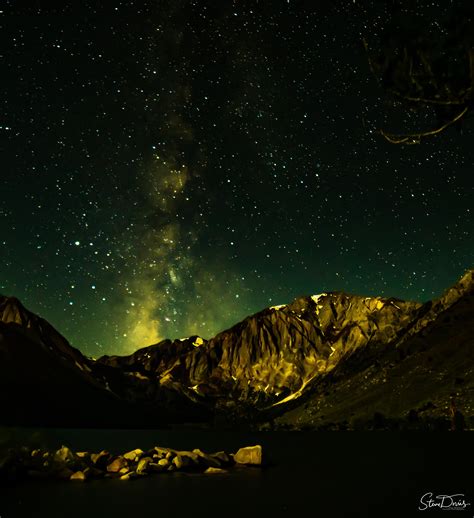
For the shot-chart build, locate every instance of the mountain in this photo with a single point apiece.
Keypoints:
(38, 367)
(331, 360)
(270, 357)
(411, 382)
(46, 381)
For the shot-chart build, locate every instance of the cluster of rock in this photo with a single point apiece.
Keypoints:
(80, 465)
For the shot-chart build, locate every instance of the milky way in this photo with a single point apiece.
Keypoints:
(171, 167)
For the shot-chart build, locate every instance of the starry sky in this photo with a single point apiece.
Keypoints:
(169, 167)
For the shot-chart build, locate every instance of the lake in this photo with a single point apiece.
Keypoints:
(316, 474)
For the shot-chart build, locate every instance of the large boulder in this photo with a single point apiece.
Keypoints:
(250, 455)
(161, 452)
(133, 455)
(116, 465)
(143, 465)
(78, 475)
(82, 454)
(215, 470)
(182, 461)
(101, 459)
(164, 462)
(64, 455)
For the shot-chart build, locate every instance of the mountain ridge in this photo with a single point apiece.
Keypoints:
(266, 365)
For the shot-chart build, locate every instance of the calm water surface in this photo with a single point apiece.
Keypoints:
(311, 474)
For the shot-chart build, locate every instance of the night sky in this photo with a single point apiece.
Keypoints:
(170, 167)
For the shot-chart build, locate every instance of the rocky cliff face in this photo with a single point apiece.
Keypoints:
(413, 382)
(267, 363)
(272, 356)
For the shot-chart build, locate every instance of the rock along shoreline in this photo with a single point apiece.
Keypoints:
(66, 464)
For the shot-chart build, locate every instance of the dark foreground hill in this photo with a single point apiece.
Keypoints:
(332, 360)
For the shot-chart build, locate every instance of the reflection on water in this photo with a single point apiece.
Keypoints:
(311, 474)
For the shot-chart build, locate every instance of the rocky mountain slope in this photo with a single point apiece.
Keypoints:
(327, 360)
(412, 383)
(46, 381)
(272, 356)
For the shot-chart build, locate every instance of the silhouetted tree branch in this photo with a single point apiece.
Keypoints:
(414, 138)
(424, 67)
